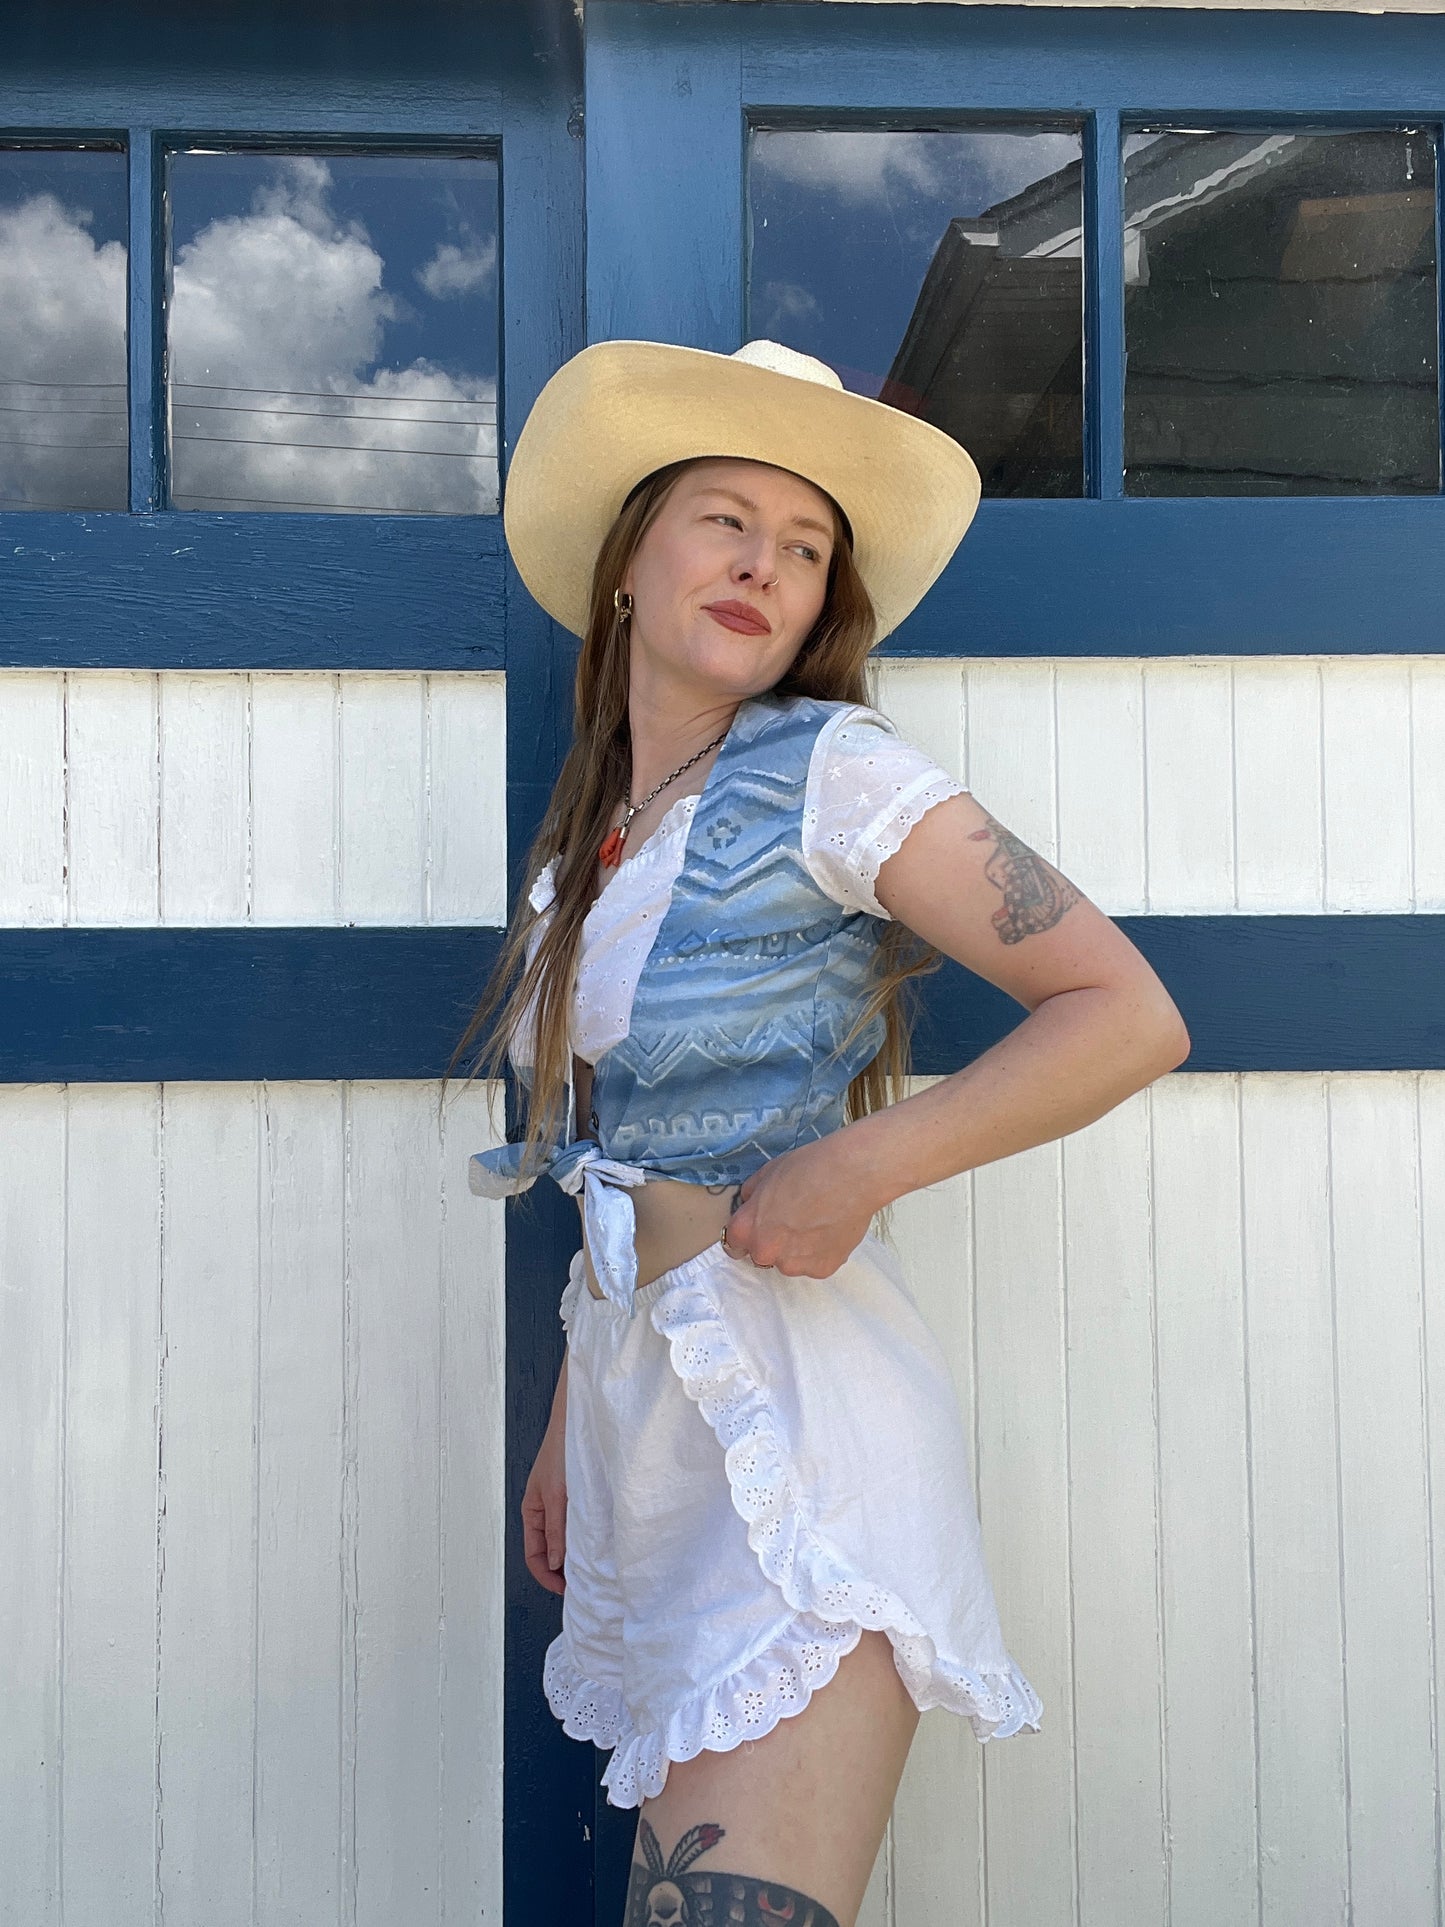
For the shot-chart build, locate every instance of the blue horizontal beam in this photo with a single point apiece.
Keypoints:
(121, 1006)
(1257, 993)
(1286, 993)
(1189, 576)
(204, 591)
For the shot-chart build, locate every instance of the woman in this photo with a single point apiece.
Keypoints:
(755, 1482)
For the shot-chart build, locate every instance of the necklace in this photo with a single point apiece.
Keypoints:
(610, 855)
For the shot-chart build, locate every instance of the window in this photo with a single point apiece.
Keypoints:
(332, 332)
(1280, 313)
(63, 442)
(939, 271)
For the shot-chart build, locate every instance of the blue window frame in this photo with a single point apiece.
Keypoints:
(259, 590)
(667, 257)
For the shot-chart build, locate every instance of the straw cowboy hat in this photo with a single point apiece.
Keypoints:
(620, 409)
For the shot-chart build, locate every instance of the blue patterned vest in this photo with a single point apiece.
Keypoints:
(735, 1051)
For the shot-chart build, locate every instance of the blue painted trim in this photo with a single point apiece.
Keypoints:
(117, 1005)
(665, 258)
(145, 324)
(1275, 66)
(1274, 993)
(549, 1781)
(202, 591)
(110, 1005)
(1194, 576)
(1103, 307)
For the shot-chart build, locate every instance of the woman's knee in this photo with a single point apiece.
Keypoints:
(786, 1827)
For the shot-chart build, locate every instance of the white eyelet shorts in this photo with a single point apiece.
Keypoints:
(759, 1467)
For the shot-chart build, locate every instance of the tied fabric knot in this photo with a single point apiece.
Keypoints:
(608, 1214)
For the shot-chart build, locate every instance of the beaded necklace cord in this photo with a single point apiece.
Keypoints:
(610, 854)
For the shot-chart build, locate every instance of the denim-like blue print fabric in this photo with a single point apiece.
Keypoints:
(736, 1049)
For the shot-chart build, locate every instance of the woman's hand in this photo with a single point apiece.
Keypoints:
(806, 1212)
(544, 1503)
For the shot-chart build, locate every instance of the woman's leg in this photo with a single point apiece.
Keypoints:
(782, 1831)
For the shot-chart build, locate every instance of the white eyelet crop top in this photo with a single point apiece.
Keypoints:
(867, 786)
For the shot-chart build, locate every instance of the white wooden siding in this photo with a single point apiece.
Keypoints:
(251, 1495)
(1203, 786)
(233, 797)
(1199, 1344)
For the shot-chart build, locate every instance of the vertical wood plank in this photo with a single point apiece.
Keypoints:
(205, 800)
(1113, 1502)
(473, 1521)
(1029, 1782)
(1188, 786)
(937, 1822)
(1295, 1500)
(32, 1378)
(294, 830)
(301, 1282)
(32, 799)
(393, 1362)
(205, 1698)
(467, 801)
(1375, 1229)
(1277, 787)
(1101, 781)
(1427, 718)
(1011, 764)
(112, 1237)
(665, 244)
(383, 807)
(1204, 1502)
(925, 699)
(1430, 1088)
(113, 783)
(1366, 726)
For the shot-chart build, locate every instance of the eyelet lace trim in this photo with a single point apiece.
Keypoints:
(832, 1604)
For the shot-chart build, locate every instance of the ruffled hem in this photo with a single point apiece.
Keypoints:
(832, 1605)
(996, 1701)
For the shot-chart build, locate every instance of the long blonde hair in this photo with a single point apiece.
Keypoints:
(597, 774)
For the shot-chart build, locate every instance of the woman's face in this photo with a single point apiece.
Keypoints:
(729, 579)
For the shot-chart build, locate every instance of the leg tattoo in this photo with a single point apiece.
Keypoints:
(663, 1893)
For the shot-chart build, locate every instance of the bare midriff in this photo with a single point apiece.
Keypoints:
(675, 1221)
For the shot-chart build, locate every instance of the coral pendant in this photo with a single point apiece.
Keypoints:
(610, 855)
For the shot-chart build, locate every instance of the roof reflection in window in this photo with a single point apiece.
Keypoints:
(1280, 313)
(939, 271)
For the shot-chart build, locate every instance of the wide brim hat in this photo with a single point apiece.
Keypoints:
(620, 409)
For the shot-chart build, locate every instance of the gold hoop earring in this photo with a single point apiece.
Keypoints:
(619, 596)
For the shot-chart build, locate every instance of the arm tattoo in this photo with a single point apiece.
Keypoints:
(663, 1893)
(1035, 894)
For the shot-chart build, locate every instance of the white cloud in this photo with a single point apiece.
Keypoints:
(966, 169)
(62, 335)
(779, 303)
(858, 165)
(288, 300)
(454, 270)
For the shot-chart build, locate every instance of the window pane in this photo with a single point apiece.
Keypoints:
(1279, 314)
(938, 271)
(333, 332)
(62, 329)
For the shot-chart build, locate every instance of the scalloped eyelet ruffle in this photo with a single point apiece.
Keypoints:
(832, 1603)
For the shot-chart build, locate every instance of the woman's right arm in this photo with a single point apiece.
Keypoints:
(544, 1503)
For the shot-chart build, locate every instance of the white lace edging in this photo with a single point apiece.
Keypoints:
(832, 1605)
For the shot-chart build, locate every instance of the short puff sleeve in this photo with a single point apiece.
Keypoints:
(867, 787)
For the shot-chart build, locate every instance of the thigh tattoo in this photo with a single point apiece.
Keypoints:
(666, 1893)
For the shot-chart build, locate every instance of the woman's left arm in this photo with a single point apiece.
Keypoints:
(1101, 1026)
